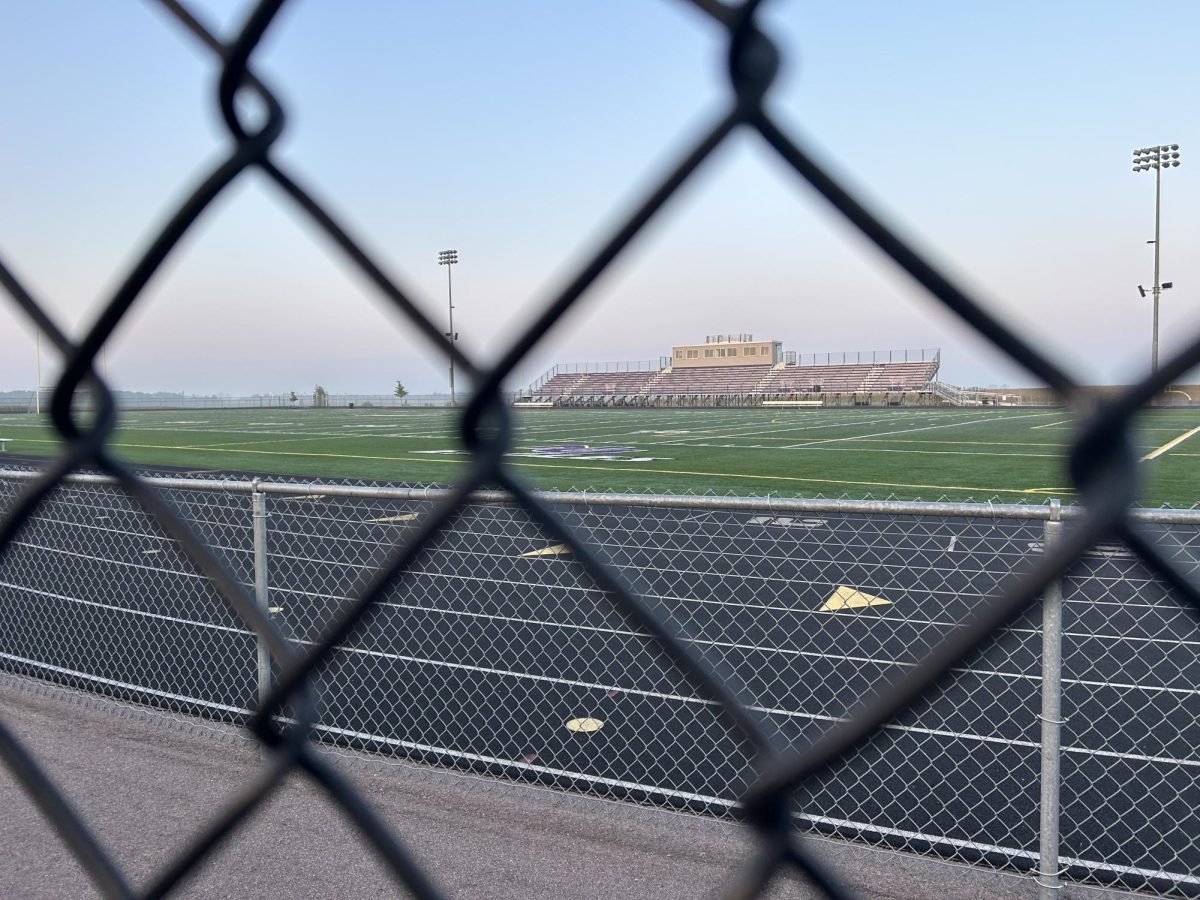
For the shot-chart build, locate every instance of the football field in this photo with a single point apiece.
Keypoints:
(954, 453)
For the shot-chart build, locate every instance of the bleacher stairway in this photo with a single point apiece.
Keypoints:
(871, 381)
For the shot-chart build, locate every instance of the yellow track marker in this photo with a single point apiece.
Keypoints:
(405, 517)
(851, 598)
(584, 726)
(552, 550)
(1174, 442)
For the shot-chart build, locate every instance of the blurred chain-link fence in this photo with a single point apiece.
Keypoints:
(770, 762)
(496, 653)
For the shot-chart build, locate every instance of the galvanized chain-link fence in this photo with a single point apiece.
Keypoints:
(497, 653)
(1103, 469)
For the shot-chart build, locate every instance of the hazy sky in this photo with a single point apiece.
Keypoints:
(999, 135)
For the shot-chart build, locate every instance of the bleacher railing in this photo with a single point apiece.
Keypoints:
(868, 357)
(588, 368)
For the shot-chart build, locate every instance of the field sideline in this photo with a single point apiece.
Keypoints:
(1005, 454)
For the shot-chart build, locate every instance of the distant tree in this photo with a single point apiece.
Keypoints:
(401, 391)
(292, 398)
(320, 396)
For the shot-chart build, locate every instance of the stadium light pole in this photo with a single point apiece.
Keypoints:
(1165, 156)
(449, 258)
(37, 388)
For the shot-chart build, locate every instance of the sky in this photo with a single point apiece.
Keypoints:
(997, 137)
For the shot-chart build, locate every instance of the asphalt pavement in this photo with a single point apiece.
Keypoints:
(145, 785)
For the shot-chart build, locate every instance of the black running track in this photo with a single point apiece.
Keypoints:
(487, 648)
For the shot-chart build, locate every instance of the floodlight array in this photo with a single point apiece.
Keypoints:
(1164, 156)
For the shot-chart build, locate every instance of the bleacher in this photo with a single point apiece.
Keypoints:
(612, 384)
(710, 381)
(561, 384)
(855, 378)
(903, 376)
(742, 383)
(818, 379)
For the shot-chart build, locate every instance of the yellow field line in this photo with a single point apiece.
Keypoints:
(293, 439)
(1174, 442)
(530, 465)
(891, 484)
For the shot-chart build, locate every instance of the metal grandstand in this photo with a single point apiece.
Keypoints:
(854, 378)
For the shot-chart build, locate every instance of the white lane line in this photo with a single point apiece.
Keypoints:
(141, 613)
(758, 607)
(1174, 442)
(1051, 424)
(140, 688)
(953, 541)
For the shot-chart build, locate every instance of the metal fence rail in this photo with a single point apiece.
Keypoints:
(1067, 745)
(1103, 469)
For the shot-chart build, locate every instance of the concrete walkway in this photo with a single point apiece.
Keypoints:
(145, 783)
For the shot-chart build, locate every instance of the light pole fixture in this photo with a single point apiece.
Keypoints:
(449, 258)
(1165, 156)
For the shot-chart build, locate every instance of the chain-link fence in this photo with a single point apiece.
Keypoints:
(1103, 468)
(496, 653)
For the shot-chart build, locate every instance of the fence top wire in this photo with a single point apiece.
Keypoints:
(1103, 467)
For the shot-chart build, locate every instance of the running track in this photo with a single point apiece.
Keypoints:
(483, 653)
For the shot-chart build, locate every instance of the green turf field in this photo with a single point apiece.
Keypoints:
(1008, 454)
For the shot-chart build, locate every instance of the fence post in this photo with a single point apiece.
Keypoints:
(258, 503)
(1049, 885)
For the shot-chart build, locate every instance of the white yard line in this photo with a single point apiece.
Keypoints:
(858, 437)
(882, 450)
(707, 434)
